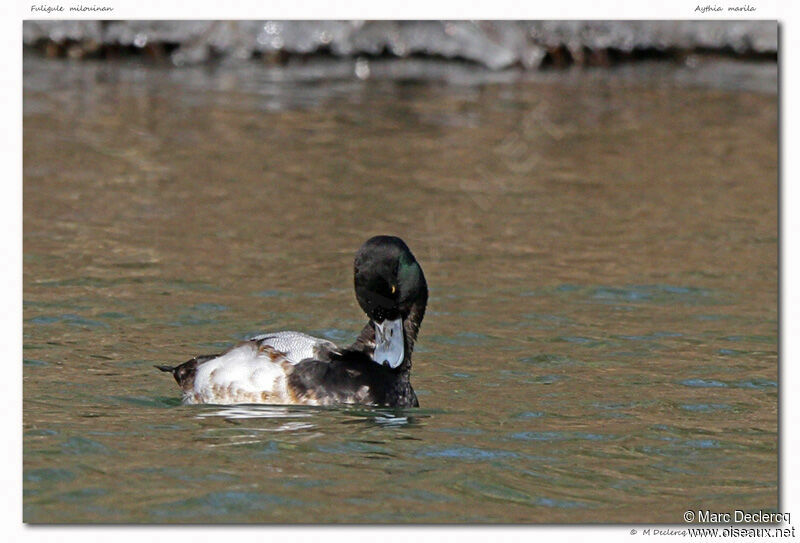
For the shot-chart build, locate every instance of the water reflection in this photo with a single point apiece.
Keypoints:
(355, 415)
(253, 412)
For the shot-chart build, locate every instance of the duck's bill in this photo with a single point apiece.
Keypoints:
(389, 348)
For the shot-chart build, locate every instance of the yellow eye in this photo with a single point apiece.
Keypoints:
(394, 288)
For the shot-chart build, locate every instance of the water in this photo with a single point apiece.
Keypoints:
(601, 248)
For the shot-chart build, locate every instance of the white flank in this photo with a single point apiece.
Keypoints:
(244, 374)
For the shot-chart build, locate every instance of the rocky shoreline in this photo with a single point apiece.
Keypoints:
(496, 45)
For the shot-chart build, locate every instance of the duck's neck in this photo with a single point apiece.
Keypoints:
(411, 328)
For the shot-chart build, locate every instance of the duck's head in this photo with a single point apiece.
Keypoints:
(391, 289)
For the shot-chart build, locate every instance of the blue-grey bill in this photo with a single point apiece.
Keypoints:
(389, 349)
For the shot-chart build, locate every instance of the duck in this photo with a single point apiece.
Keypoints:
(293, 368)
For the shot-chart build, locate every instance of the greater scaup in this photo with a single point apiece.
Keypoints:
(295, 368)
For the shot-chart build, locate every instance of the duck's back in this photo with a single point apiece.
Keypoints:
(296, 346)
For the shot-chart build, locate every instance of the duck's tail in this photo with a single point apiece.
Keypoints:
(174, 370)
(184, 373)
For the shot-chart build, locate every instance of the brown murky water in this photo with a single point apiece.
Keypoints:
(601, 246)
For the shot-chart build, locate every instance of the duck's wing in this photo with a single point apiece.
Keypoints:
(297, 346)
